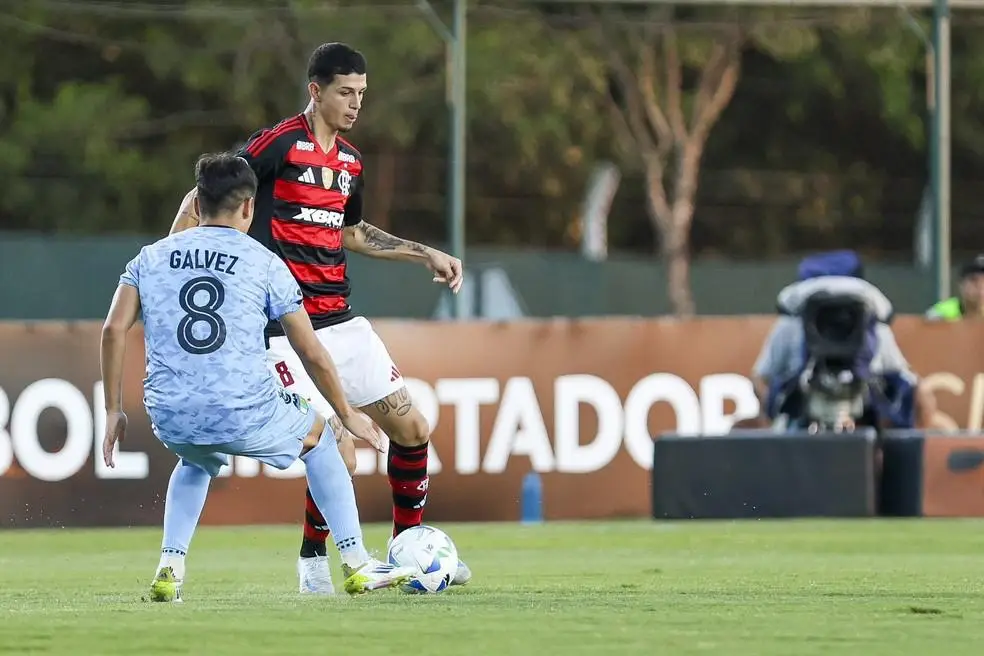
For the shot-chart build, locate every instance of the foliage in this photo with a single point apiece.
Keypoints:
(104, 106)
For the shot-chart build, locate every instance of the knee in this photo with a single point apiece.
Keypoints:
(318, 430)
(413, 431)
(346, 447)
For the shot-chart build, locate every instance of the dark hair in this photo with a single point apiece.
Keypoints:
(223, 181)
(331, 59)
(973, 267)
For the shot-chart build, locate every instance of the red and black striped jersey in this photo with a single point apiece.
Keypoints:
(304, 199)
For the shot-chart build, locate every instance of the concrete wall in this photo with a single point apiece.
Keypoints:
(74, 278)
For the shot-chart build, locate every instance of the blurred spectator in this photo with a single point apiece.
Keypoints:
(970, 302)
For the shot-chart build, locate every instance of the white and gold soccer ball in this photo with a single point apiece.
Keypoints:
(431, 552)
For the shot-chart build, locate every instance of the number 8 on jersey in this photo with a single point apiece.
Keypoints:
(212, 291)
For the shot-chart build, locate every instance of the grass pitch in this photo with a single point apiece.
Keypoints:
(732, 588)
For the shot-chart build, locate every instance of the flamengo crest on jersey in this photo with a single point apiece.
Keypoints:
(305, 199)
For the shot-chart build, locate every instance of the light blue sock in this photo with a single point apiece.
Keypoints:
(331, 488)
(186, 492)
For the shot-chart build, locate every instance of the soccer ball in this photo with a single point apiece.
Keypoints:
(428, 550)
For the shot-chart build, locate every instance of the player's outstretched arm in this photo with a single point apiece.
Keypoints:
(367, 239)
(187, 216)
(123, 313)
(319, 365)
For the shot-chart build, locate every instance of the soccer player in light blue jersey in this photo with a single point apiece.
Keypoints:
(205, 296)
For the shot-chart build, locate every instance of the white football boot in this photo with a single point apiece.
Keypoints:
(314, 576)
(462, 575)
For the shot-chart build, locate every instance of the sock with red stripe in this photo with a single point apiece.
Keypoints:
(316, 530)
(407, 470)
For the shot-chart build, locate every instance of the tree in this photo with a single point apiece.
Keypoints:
(666, 86)
(825, 150)
(104, 109)
(662, 131)
(104, 106)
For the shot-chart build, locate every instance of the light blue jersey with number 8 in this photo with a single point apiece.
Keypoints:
(206, 294)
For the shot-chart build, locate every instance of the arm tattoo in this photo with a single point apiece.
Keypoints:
(380, 240)
(398, 403)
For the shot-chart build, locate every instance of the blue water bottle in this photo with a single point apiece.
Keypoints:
(531, 499)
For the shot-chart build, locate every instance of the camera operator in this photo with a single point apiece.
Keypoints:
(783, 359)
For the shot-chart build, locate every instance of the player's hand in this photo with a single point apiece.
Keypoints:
(446, 269)
(115, 432)
(362, 428)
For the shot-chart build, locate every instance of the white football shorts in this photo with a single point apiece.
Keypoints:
(367, 371)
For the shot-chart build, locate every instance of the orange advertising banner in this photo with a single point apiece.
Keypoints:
(953, 477)
(579, 401)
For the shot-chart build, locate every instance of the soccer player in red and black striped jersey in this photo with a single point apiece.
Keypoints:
(309, 212)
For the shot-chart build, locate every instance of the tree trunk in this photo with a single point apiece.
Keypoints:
(660, 215)
(676, 254)
(677, 241)
(672, 225)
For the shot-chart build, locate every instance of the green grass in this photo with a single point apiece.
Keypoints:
(731, 588)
